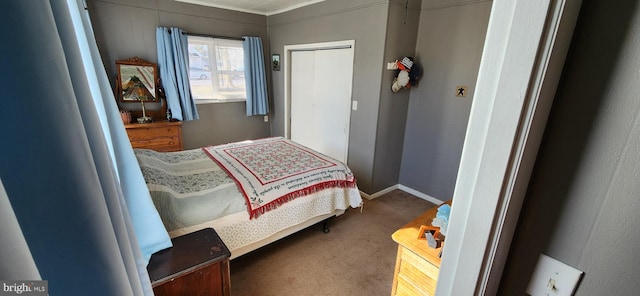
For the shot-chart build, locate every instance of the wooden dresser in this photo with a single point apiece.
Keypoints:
(417, 265)
(197, 264)
(159, 136)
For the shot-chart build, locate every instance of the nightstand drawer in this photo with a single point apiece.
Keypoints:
(197, 264)
(415, 274)
(206, 281)
(417, 264)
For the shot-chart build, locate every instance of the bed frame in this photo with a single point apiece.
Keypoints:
(324, 219)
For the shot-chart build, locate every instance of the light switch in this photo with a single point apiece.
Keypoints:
(354, 105)
(552, 277)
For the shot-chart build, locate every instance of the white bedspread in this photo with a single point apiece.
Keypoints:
(192, 192)
(238, 231)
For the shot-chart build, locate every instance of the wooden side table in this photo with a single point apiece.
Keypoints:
(197, 264)
(417, 265)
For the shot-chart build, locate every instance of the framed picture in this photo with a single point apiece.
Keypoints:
(140, 73)
(275, 62)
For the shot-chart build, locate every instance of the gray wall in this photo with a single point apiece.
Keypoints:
(450, 42)
(382, 152)
(582, 204)
(332, 20)
(402, 32)
(127, 28)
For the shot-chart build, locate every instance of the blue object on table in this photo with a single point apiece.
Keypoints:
(442, 218)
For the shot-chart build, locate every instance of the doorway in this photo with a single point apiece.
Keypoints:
(318, 88)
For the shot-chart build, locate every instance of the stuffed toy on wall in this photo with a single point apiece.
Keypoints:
(407, 75)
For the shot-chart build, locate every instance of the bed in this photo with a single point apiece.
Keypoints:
(251, 192)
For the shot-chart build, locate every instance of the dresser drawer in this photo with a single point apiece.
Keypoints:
(159, 136)
(158, 144)
(153, 133)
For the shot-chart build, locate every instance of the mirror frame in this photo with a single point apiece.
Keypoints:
(148, 71)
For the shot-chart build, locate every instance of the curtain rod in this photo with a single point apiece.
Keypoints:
(214, 36)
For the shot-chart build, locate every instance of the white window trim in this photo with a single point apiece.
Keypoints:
(214, 101)
(199, 101)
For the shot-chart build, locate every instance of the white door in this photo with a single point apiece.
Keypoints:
(321, 99)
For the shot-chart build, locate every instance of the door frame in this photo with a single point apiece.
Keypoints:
(325, 101)
(288, 49)
(522, 60)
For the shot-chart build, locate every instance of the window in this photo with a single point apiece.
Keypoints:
(216, 69)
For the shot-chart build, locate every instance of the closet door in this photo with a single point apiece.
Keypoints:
(321, 82)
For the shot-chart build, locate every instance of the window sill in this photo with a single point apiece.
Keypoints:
(214, 101)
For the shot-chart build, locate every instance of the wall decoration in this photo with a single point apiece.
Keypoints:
(407, 74)
(275, 62)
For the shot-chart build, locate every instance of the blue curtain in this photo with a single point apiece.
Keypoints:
(15, 258)
(80, 205)
(173, 62)
(254, 71)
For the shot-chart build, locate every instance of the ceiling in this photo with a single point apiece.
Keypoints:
(264, 7)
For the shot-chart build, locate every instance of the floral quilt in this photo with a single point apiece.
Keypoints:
(272, 171)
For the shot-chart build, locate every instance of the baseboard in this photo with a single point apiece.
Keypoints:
(419, 194)
(406, 189)
(379, 193)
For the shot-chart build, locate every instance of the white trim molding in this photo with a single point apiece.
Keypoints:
(406, 189)
(421, 195)
(524, 52)
(379, 193)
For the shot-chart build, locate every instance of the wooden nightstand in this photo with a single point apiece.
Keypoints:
(159, 136)
(417, 265)
(197, 264)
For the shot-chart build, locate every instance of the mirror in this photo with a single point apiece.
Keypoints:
(137, 81)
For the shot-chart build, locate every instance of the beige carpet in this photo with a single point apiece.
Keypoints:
(356, 257)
